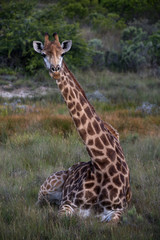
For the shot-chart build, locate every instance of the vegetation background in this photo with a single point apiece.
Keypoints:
(116, 58)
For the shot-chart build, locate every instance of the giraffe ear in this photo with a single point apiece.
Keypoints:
(66, 45)
(38, 46)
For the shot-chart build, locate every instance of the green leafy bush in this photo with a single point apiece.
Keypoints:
(98, 59)
(22, 22)
(102, 23)
(137, 51)
(155, 50)
(134, 8)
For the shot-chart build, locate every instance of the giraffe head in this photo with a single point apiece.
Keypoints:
(52, 53)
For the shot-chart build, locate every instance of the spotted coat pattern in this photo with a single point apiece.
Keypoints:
(100, 186)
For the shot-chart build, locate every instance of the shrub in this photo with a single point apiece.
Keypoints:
(134, 8)
(98, 59)
(22, 22)
(102, 23)
(155, 50)
(134, 51)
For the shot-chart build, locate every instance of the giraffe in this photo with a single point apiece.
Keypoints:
(100, 186)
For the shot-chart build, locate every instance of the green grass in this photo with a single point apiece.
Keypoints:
(28, 157)
(123, 89)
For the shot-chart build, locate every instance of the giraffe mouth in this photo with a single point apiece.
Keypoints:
(55, 75)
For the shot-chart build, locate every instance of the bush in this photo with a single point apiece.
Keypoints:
(22, 22)
(102, 23)
(134, 52)
(98, 59)
(155, 50)
(134, 8)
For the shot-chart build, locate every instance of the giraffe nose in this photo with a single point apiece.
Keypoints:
(55, 69)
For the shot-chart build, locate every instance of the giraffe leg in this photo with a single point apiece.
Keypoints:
(112, 217)
(67, 209)
(51, 190)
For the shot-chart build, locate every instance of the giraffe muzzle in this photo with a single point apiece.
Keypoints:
(54, 69)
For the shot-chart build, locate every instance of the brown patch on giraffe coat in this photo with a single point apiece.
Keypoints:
(98, 143)
(111, 154)
(111, 139)
(76, 175)
(83, 169)
(89, 152)
(89, 176)
(65, 83)
(97, 189)
(48, 186)
(103, 195)
(92, 200)
(119, 166)
(102, 162)
(112, 170)
(90, 142)
(99, 177)
(83, 119)
(119, 152)
(113, 193)
(98, 119)
(124, 170)
(65, 93)
(64, 177)
(53, 182)
(71, 83)
(45, 184)
(71, 93)
(110, 187)
(78, 106)
(77, 122)
(76, 92)
(83, 134)
(122, 178)
(96, 127)
(102, 126)
(60, 86)
(70, 105)
(82, 99)
(106, 203)
(79, 195)
(104, 140)
(73, 111)
(79, 202)
(96, 152)
(96, 166)
(124, 165)
(89, 185)
(90, 129)
(88, 112)
(88, 194)
(106, 179)
(117, 181)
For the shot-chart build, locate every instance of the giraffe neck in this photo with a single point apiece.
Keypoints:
(99, 141)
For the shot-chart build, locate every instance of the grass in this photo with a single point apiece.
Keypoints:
(39, 141)
(119, 88)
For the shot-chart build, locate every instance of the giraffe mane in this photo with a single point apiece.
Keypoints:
(111, 129)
